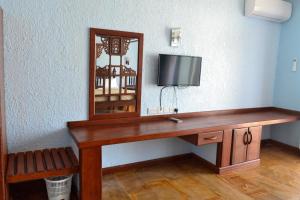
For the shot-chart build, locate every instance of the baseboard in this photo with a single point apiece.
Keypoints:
(206, 163)
(265, 142)
(286, 147)
(224, 170)
(120, 168)
(213, 167)
(209, 165)
(244, 165)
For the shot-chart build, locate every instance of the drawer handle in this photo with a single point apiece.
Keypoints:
(211, 138)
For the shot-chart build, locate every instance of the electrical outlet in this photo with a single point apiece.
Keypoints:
(158, 111)
(166, 110)
(153, 111)
(294, 66)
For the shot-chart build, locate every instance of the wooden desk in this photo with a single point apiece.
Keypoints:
(90, 136)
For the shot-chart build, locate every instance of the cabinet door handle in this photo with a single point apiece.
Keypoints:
(249, 142)
(211, 138)
(245, 138)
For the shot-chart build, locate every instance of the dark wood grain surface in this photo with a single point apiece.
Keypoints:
(26, 166)
(147, 128)
(90, 174)
(277, 178)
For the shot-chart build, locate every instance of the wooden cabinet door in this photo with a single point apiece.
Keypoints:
(253, 149)
(239, 146)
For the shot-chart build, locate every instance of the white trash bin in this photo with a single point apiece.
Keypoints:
(59, 188)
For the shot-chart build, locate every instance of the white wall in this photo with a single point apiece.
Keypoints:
(46, 63)
(287, 93)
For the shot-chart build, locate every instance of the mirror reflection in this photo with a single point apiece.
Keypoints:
(116, 74)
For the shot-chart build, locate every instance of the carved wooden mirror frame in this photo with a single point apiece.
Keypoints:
(93, 56)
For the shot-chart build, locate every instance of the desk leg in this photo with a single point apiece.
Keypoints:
(90, 174)
(224, 150)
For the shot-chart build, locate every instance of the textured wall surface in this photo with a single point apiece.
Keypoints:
(287, 92)
(46, 60)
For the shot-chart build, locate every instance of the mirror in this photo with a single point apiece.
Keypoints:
(115, 73)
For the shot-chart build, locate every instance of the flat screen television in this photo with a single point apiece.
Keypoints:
(176, 70)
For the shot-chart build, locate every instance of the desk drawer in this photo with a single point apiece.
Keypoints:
(209, 138)
(204, 138)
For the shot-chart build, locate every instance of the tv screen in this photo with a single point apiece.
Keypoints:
(177, 70)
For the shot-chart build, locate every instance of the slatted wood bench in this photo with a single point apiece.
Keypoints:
(33, 165)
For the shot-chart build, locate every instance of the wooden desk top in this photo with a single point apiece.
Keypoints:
(97, 133)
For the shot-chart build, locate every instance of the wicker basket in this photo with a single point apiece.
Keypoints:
(59, 188)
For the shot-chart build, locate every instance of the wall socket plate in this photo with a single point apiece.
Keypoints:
(294, 66)
(158, 111)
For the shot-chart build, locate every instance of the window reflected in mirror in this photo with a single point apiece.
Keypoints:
(115, 74)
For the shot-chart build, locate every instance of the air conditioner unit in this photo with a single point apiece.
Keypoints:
(273, 10)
